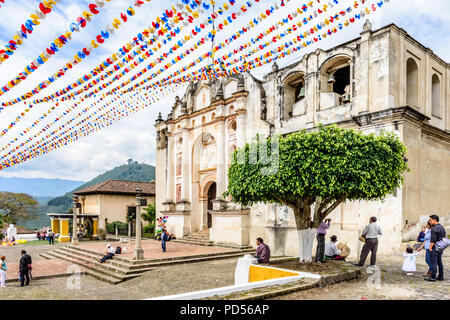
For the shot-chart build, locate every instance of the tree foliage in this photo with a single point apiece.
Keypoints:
(17, 206)
(323, 168)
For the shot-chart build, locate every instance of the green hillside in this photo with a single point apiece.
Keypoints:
(132, 171)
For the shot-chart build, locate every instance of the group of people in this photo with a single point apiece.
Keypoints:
(327, 250)
(430, 236)
(428, 239)
(24, 271)
(49, 235)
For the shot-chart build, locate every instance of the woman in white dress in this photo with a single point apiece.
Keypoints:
(409, 264)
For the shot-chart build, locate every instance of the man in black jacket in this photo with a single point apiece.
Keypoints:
(437, 233)
(24, 268)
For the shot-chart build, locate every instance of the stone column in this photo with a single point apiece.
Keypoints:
(138, 251)
(76, 207)
(363, 72)
(220, 158)
(185, 167)
(64, 230)
(240, 128)
(95, 227)
(170, 169)
(55, 225)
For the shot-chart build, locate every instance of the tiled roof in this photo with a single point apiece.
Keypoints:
(119, 187)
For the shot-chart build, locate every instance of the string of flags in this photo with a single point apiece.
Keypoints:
(111, 106)
(27, 28)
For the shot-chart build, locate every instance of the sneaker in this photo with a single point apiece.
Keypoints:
(358, 265)
(440, 279)
(430, 279)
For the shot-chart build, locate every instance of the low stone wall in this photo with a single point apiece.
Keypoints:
(276, 291)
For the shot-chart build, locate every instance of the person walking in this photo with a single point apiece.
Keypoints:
(51, 237)
(164, 238)
(426, 245)
(320, 236)
(437, 234)
(24, 268)
(370, 233)
(3, 269)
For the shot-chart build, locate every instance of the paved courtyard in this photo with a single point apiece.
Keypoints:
(41, 267)
(162, 281)
(182, 278)
(393, 284)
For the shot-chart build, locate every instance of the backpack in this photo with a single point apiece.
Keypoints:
(442, 244)
(118, 250)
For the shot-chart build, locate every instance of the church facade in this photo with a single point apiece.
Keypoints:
(384, 80)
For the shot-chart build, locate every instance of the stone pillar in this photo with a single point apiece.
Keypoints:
(64, 230)
(76, 207)
(54, 225)
(95, 227)
(363, 72)
(220, 154)
(138, 251)
(185, 167)
(170, 169)
(240, 128)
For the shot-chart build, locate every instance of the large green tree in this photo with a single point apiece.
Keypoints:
(314, 172)
(17, 206)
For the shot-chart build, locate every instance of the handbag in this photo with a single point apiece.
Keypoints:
(442, 244)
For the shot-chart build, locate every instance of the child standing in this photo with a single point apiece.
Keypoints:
(409, 264)
(3, 269)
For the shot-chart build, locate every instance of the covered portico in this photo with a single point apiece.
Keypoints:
(60, 224)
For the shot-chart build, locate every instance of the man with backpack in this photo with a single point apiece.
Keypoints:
(438, 243)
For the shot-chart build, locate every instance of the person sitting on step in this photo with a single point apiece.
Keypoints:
(109, 253)
(262, 252)
(331, 250)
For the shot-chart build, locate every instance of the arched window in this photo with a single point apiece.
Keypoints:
(294, 91)
(231, 110)
(436, 96)
(335, 82)
(213, 116)
(412, 83)
(233, 125)
(203, 119)
(193, 123)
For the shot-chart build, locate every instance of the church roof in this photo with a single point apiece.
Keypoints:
(119, 187)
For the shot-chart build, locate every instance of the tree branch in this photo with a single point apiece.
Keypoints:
(334, 206)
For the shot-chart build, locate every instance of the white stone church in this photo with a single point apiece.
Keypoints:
(384, 80)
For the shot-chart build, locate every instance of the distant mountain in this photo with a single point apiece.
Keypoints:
(133, 171)
(38, 187)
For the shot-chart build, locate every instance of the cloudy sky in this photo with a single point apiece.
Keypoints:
(134, 137)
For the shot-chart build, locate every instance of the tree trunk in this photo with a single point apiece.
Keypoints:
(305, 232)
(305, 244)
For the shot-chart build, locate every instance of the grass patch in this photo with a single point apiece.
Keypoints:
(148, 235)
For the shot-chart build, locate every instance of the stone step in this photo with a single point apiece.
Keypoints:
(98, 268)
(79, 248)
(196, 242)
(46, 256)
(103, 277)
(110, 265)
(194, 236)
(94, 255)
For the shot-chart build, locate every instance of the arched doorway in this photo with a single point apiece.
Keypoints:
(211, 197)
